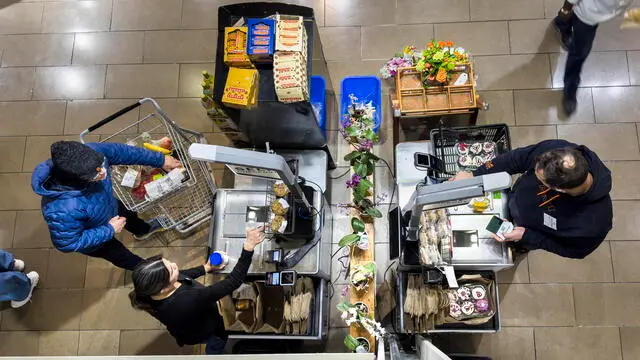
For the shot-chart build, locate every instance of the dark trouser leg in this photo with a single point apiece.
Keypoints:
(565, 26)
(214, 346)
(117, 254)
(134, 224)
(579, 50)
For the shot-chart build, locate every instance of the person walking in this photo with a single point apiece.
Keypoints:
(14, 285)
(78, 203)
(576, 23)
(187, 308)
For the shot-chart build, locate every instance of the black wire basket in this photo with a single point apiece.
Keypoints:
(444, 141)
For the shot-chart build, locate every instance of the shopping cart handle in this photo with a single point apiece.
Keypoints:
(113, 116)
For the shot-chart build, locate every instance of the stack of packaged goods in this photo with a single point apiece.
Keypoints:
(235, 47)
(260, 46)
(290, 60)
(223, 123)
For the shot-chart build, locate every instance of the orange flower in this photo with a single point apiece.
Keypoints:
(449, 43)
(441, 76)
(441, 44)
(430, 45)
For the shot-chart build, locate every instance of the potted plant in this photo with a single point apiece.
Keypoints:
(354, 314)
(437, 62)
(357, 345)
(361, 275)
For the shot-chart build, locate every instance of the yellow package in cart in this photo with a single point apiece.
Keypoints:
(240, 88)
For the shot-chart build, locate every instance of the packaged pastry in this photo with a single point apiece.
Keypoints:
(235, 46)
(261, 41)
(489, 147)
(241, 88)
(465, 160)
(476, 148)
(482, 305)
(462, 148)
(464, 293)
(478, 292)
(280, 189)
(468, 307)
(280, 207)
(278, 224)
(478, 160)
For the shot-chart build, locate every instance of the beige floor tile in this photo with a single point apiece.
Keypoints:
(18, 193)
(31, 231)
(35, 260)
(66, 270)
(21, 18)
(69, 82)
(16, 83)
(39, 148)
(99, 343)
(98, 302)
(536, 305)
(37, 50)
(598, 138)
(509, 343)
(578, 343)
(507, 72)
(13, 150)
(633, 57)
(101, 274)
(36, 117)
(545, 267)
(479, 38)
(178, 46)
(611, 37)
(528, 135)
(625, 260)
(509, 10)
(544, 107)
(629, 340)
(551, 8)
(146, 14)
(200, 14)
(341, 43)
(600, 69)
(59, 343)
(607, 304)
(616, 104)
(382, 42)
(150, 342)
(621, 172)
(359, 12)
(518, 274)
(108, 48)
(7, 228)
(80, 16)
(188, 113)
(431, 11)
(136, 81)
(81, 114)
(48, 310)
(19, 343)
(626, 216)
(501, 110)
(533, 36)
(191, 78)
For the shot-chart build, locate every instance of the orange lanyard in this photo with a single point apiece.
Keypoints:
(548, 201)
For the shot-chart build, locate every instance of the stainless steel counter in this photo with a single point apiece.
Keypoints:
(227, 231)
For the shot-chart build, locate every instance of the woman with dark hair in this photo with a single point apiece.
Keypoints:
(187, 308)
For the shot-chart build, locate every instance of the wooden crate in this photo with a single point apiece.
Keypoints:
(414, 100)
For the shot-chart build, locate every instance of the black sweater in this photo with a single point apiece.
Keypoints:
(191, 314)
(582, 222)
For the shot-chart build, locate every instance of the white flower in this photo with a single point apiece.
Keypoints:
(344, 315)
(445, 49)
(360, 349)
(451, 51)
(460, 50)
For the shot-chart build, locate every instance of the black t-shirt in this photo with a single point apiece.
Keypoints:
(191, 314)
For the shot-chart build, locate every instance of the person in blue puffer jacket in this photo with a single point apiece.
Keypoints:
(78, 203)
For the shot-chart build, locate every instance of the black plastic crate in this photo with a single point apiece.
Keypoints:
(444, 142)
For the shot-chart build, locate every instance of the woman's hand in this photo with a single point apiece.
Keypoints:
(210, 268)
(170, 163)
(254, 237)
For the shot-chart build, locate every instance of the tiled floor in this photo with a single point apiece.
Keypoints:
(67, 64)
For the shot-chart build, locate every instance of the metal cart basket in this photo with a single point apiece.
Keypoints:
(181, 205)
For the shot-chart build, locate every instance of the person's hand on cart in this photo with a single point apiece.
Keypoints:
(461, 175)
(117, 223)
(254, 237)
(170, 163)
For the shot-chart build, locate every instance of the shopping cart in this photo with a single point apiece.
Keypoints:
(182, 204)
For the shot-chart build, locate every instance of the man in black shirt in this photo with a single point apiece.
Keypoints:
(187, 308)
(561, 202)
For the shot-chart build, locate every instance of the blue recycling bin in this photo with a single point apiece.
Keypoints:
(317, 97)
(365, 88)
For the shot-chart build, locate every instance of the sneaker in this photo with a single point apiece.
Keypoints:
(569, 104)
(18, 265)
(33, 277)
(155, 227)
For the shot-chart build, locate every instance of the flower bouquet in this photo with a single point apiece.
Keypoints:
(354, 314)
(400, 60)
(437, 62)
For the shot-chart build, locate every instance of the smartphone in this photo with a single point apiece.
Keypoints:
(499, 226)
(427, 161)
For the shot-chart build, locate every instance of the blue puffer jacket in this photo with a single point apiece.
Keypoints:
(78, 220)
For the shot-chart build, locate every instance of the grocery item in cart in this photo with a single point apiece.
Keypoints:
(434, 234)
(280, 207)
(280, 189)
(278, 223)
(473, 155)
